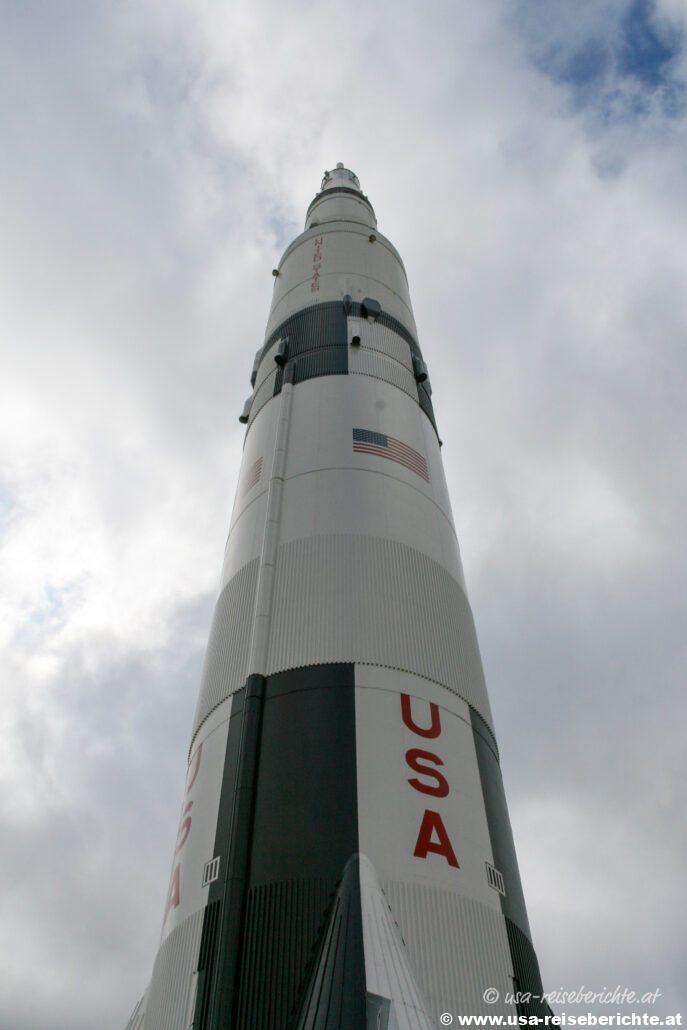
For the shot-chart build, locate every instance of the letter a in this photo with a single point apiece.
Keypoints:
(173, 894)
(433, 823)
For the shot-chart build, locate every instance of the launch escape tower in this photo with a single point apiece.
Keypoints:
(344, 857)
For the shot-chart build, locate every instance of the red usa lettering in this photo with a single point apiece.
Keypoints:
(432, 836)
(185, 822)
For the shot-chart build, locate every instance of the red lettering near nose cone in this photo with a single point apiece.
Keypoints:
(433, 823)
(435, 726)
(413, 758)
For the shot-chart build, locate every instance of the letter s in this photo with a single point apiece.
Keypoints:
(413, 758)
(184, 827)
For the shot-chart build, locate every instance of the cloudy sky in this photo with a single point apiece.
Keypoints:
(527, 157)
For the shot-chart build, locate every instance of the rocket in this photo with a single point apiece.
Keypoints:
(344, 856)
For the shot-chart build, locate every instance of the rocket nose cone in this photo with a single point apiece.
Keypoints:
(340, 199)
(340, 176)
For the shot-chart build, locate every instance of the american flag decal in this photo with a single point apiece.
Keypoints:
(365, 441)
(250, 477)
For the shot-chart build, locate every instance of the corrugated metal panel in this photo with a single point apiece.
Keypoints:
(349, 598)
(302, 832)
(324, 361)
(380, 338)
(226, 658)
(426, 405)
(368, 363)
(388, 320)
(169, 1001)
(498, 821)
(317, 346)
(340, 500)
(457, 947)
(207, 961)
(326, 325)
(312, 331)
(318, 339)
(283, 924)
(526, 971)
(480, 727)
(267, 364)
(319, 325)
(387, 968)
(335, 994)
(263, 394)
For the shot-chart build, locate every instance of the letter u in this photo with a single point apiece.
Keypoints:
(435, 727)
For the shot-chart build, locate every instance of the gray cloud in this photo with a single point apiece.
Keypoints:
(157, 159)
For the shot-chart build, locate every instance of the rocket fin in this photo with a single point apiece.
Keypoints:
(334, 996)
(137, 1017)
(361, 977)
(388, 973)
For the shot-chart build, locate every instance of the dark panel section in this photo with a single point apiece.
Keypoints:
(284, 920)
(306, 804)
(526, 975)
(305, 831)
(335, 993)
(327, 361)
(287, 825)
(485, 730)
(426, 405)
(319, 332)
(320, 325)
(206, 963)
(317, 344)
(233, 840)
(356, 310)
(500, 833)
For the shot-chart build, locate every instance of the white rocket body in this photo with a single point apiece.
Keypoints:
(344, 856)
